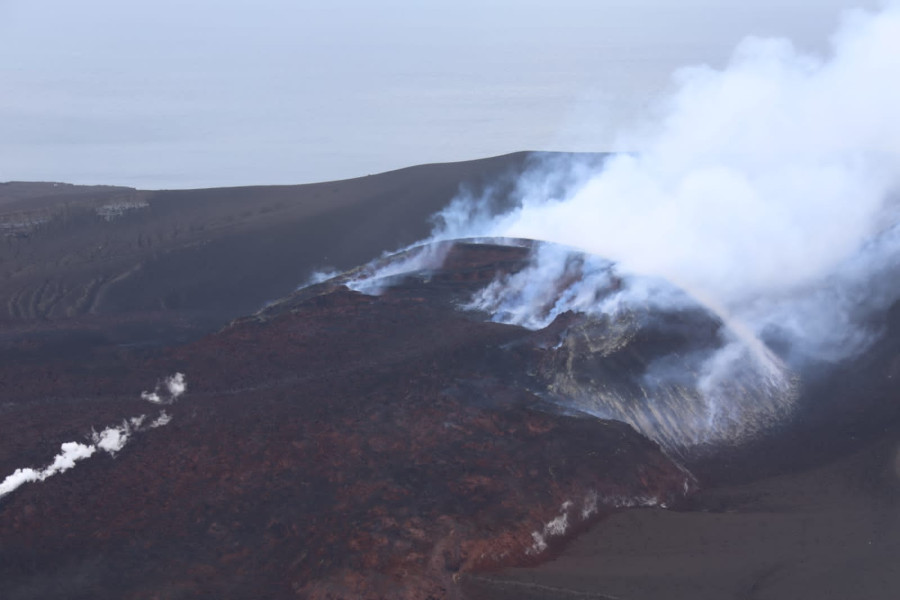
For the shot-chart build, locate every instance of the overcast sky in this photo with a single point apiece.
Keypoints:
(196, 93)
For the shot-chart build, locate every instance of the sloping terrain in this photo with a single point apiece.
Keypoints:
(337, 445)
(831, 532)
(70, 250)
(340, 445)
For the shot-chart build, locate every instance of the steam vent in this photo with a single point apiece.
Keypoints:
(335, 445)
(376, 435)
(664, 365)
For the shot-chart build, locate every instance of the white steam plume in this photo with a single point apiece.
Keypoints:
(318, 276)
(167, 391)
(111, 440)
(374, 277)
(765, 189)
(70, 453)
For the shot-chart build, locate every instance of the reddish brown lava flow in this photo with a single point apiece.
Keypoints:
(336, 446)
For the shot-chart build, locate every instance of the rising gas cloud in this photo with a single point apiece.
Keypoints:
(167, 391)
(766, 189)
(110, 440)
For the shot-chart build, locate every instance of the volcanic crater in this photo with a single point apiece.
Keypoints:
(382, 437)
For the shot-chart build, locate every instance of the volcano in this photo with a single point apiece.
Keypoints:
(380, 434)
(334, 445)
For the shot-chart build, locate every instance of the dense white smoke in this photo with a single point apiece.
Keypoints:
(167, 391)
(69, 454)
(111, 440)
(764, 190)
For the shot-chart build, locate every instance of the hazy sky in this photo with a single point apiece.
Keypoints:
(192, 93)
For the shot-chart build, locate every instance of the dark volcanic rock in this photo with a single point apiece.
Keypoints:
(336, 445)
(654, 357)
(69, 251)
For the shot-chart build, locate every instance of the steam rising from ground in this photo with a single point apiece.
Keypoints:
(767, 191)
(111, 440)
(373, 278)
(167, 391)
(69, 454)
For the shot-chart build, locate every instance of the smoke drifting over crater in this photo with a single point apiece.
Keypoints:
(766, 190)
